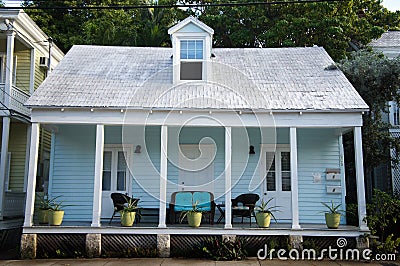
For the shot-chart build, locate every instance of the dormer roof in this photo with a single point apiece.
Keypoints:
(186, 22)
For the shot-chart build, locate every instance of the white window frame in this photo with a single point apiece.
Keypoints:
(127, 149)
(184, 60)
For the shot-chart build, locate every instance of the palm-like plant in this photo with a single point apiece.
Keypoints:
(332, 208)
(264, 208)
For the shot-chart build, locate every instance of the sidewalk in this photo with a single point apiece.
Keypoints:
(173, 261)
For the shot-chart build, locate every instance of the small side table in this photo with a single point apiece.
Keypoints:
(221, 208)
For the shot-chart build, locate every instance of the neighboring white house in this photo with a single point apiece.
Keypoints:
(389, 45)
(152, 121)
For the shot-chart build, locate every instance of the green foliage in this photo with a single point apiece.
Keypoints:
(45, 202)
(195, 209)
(377, 79)
(331, 25)
(223, 250)
(263, 207)
(332, 208)
(383, 213)
(130, 205)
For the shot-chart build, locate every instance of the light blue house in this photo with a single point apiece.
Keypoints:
(152, 121)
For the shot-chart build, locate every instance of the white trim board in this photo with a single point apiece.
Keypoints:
(197, 118)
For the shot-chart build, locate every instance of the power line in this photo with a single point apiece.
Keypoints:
(114, 7)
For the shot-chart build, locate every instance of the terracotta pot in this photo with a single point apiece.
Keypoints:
(127, 218)
(263, 219)
(55, 217)
(43, 216)
(332, 220)
(194, 218)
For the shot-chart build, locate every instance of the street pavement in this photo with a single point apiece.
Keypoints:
(175, 261)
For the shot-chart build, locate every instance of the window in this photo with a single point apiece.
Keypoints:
(191, 55)
(278, 171)
(114, 170)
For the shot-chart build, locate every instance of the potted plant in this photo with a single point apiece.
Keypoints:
(56, 214)
(264, 213)
(332, 215)
(193, 216)
(128, 213)
(45, 205)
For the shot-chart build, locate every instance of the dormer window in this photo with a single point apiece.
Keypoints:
(191, 55)
(191, 44)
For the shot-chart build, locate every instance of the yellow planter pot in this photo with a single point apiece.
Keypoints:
(43, 216)
(194, 218)
(127, 218)
(263, 219)
(56, 217)
(332, 220)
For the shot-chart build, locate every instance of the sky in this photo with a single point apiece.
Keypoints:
(392, 5)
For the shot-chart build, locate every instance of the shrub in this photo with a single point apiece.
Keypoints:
(223, 250)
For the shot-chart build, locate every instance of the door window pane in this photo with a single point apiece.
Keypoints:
(271, 174)
(107, 171)
(121, 171)
(285, 162)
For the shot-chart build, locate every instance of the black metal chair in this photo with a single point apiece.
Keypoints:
(243, 205)
(119, 200)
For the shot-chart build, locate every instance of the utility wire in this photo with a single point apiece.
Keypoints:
(175, 5)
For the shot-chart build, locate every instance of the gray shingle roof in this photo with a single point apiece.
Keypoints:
(241, 78)
(388, 39)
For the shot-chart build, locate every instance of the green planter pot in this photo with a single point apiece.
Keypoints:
(56, 217)
(43, 216)
(332, 220)
(263, 219)
(127, 218)
(194, 218)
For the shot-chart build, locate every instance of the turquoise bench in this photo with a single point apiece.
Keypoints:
(183, 200)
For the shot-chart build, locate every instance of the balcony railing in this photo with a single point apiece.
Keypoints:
(14, 204)
(17, 100)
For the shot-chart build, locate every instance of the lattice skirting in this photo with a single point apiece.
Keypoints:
(186, 245)
(10, 238)
(61, 245)
(255, 243)
(129, 245)
(320, 243)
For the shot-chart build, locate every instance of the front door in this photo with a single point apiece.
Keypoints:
(196, 168)
(277, 181)
(115, 177)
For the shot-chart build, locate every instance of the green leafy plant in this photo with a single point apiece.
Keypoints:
(264, 208)
(45, 202)
(332, 208)
(382, 213)
(195, 209)
(131, 205)
(223, 249)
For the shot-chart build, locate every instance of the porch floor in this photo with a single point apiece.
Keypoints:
(206, 229)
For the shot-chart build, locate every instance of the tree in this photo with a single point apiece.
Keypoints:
(130, 27)
(377, 80)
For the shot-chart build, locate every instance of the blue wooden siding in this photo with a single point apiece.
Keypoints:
(72, 170)
(318, 149)
(73, 157)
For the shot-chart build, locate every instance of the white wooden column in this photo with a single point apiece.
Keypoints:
(294, 178)
(362, 209)
(27, 155)
(228, 177)
(163, 177)
(33, 160)
(6, 120)
(98, 176)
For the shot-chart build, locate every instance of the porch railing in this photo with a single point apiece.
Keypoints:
(14, 204)
(17, 99)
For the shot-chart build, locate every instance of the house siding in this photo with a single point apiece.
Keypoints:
(23, 70)
(318, 149)
(17, 148)
(72, 170)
